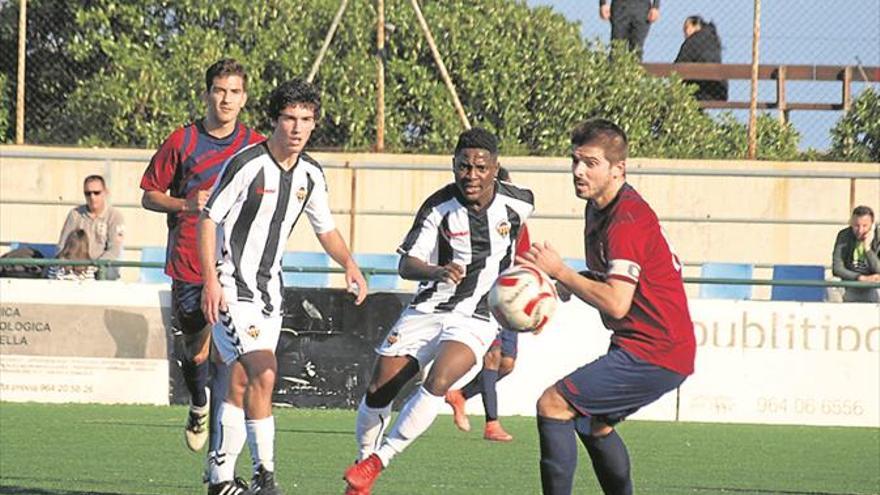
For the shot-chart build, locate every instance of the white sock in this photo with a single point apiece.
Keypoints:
(221, 463)
(261, 439)
(369, 427)
(418, 414)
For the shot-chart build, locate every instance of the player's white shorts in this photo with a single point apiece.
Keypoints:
(244, 328)
(420, 334)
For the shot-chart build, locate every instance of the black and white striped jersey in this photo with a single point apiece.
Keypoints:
(445, 230)
(256, 204)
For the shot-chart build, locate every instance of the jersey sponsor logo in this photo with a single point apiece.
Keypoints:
(253, 331)
(449, 234)
(503, 228)
(261, 191)
(301, 194)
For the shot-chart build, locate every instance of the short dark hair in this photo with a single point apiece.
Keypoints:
(503, 174)
(863, 210)
(292, 92)
(223, 68)
(604, 133)
(95, 177)
(477, 137)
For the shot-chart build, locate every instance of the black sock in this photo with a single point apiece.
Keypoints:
(610, 462)
(558, 455)
(219, 386)
(490, 396)
(474, 386)
(196, 377)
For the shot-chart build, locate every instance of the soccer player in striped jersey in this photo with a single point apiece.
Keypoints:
(635, 283)
(497, 363)
(258, 199)
(463, 236)
(177, 182)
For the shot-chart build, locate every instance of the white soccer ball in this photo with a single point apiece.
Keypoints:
(523, 299)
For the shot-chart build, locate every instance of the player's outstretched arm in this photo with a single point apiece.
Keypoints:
(612, 296)
(334, 245)
(212, 294)
(412, 268)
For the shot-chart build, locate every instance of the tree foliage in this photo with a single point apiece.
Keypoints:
(522, 72)
(856, 137)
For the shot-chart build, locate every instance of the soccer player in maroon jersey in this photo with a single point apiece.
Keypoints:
(178, 182)
(634, 280)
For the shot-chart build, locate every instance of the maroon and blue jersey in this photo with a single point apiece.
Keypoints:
(624, 241)
(186, 163)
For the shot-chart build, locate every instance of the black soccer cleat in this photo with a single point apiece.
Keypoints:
(263, 483)
(236, 487)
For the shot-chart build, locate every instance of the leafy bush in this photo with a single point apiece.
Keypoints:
(5, 99)
(522, 72)
(856, 137)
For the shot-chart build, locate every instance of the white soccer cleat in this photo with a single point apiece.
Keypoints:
(196, 431)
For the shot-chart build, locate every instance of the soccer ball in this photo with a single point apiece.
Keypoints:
(523, 299)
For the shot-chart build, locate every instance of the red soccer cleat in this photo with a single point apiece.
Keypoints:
(361, 476)
(456, 399)
(495, 433)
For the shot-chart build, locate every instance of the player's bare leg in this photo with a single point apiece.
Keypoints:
(195, 372)
(453, 360)
(261, 368)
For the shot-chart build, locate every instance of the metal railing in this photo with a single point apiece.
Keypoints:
(370, 271)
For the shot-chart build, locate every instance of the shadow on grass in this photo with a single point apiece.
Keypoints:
(726, 489)
(21, 490)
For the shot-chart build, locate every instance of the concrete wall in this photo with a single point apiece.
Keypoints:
(54, 176)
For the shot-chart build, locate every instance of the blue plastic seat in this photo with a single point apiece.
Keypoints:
(798, 272)
(379, 282)
(726, 291)
(153, 275)
(46, 249)
(305, 259)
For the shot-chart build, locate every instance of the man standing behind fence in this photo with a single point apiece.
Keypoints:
(178, 182)
(630, 20)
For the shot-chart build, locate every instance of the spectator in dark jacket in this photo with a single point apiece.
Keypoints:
(702, 45)
(856, 255)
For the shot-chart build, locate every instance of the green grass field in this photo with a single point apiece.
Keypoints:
(89, 449)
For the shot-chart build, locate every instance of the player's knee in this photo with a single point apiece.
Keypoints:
(440, 383)
(506, 366)
(492, 359)
(551, 404)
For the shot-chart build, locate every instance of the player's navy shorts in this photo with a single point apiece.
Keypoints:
(186, 308)
(508, 340)
(616, 385)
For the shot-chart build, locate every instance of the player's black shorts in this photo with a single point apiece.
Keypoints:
(508, 340)
(186, 308)
(616, 385)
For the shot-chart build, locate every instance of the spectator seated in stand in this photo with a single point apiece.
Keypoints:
(856, 255)
(103, 224)
(76, 248)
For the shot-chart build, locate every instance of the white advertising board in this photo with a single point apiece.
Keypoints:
(68, 341)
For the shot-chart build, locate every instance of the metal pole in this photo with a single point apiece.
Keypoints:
(19, 94)
(753, 99)
(440, 65)
(327, 40)
(380, 76)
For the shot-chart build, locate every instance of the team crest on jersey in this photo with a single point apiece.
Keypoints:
(253, 331)
(392, 338)
(503, 228)
(301, 194)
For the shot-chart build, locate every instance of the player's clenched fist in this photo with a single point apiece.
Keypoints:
(451, 273)
(197, 202)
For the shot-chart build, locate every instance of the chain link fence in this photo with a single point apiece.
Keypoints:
(809, 32)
